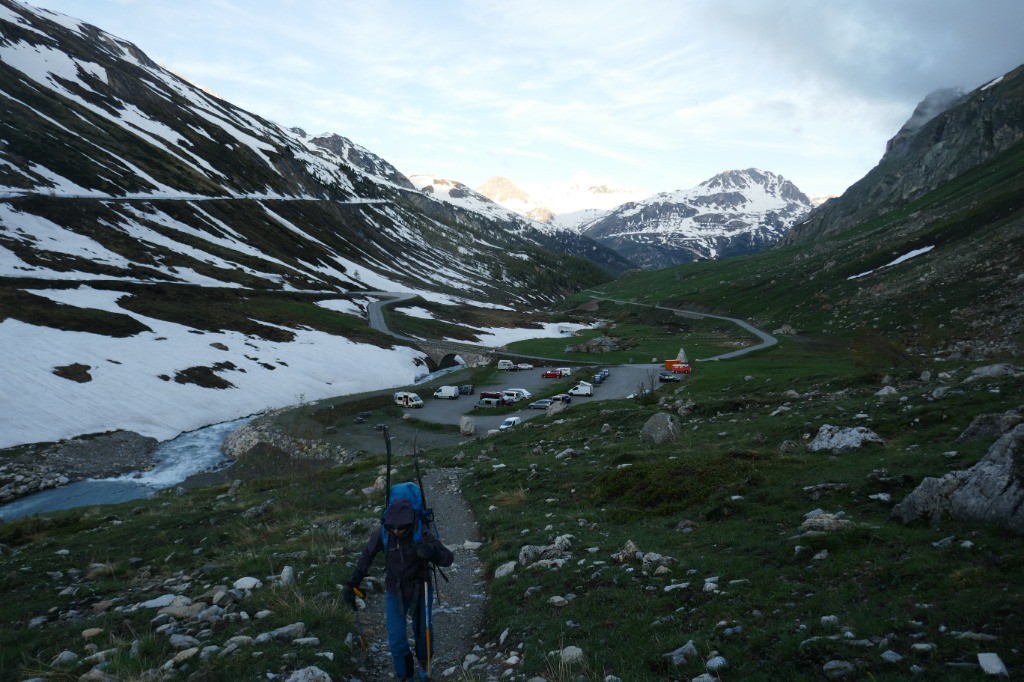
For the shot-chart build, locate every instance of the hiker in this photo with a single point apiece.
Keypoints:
(409, 549)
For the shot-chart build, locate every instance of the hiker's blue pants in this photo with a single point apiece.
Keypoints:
(396, 611)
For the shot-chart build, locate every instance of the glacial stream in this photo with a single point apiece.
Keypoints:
(176, 459)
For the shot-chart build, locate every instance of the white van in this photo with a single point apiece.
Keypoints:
(506, 364)
(406, 399)
(450, 392)
(566, 371)
(582, 388)
(518, 394)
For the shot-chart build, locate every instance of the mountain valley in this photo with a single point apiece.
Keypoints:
(846, 504)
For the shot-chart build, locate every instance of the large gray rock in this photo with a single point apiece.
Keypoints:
(467, 426)
(310, 674)
(991, 490)
(990, 426)
(842, 439)
(660, 428)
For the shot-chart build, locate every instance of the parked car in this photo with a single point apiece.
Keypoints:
(669, 376)
(489, 402)
(496, 395)
(466, 389)
(524, 366)
(506, 364)
(562, 397)
(551, 374)
(542, 404)
(510, 422)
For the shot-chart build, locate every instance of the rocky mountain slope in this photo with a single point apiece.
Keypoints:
(733, 213)
(160, 177)
(170, 260)
(948, 135)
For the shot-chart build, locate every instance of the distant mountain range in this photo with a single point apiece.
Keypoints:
(733, 213)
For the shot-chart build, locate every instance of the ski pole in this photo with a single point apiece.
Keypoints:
(426, 603)
(359, 626)
(428, 512)
(387, 488)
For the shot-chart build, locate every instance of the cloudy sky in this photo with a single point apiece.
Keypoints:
(652, 94)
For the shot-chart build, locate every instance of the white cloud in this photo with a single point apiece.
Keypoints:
(537, 90)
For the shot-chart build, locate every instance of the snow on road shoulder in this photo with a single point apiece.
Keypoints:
(500, 336)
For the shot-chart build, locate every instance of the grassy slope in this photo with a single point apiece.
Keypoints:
(728, 474)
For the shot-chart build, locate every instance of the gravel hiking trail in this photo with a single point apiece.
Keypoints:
(459, 617)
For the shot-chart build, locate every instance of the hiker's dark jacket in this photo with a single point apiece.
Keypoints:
(404, 570)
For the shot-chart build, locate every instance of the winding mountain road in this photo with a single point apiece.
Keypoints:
(767, 340)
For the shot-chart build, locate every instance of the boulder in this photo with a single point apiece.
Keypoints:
(310, 674)
(660, 428)
(842, 439)
(990, 425)
(529, 554)
(991, 490)
(467, 426)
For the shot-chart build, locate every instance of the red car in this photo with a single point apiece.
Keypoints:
(681, 368)
(551, 374)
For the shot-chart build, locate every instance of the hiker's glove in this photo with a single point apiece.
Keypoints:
(425, 551)
(348, 593)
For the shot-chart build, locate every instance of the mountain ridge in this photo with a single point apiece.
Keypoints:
(731, 213)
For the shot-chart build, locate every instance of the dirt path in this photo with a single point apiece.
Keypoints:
(461, 614)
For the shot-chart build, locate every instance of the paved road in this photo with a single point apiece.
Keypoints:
(624, 380)
(766, 339)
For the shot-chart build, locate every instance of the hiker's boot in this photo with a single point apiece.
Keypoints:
(423, 674)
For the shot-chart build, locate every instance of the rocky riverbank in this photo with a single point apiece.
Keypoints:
(28, 469)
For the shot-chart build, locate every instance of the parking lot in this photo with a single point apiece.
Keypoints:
(622, 381)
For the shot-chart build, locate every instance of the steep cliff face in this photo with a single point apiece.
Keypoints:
(971, 131)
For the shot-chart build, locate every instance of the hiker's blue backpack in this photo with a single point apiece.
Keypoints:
(412, 493)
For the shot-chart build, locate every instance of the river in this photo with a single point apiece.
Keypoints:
(176, 460)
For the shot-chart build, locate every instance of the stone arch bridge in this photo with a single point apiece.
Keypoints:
(442, 354)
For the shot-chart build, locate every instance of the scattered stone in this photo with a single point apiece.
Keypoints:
(310, 674)
(716, 663)
(571, 655)
(627, 553)
(891, 657)
(837, 670)
(680, 655)
(505, 569)
(842, 439)
(248, 583)
(826, 523)
(287, 576)
(289, 632)
(64, 658)
(887, 391)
